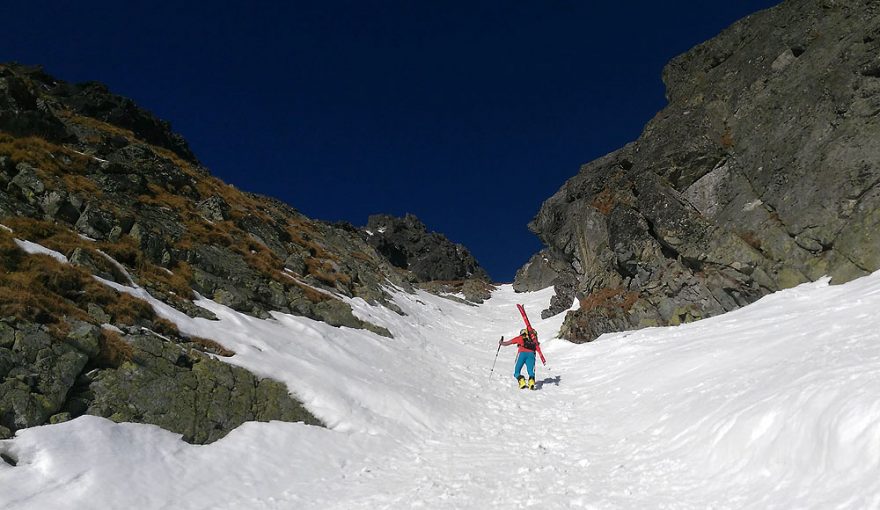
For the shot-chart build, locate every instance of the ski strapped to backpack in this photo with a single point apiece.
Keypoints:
(529, 327)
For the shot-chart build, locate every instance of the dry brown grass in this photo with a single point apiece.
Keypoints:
(160, 197)
(165, 327)
(604, 202)
(265, 261)
(172, 156)
(105, 128)
(313, 295)
(610, 299)
(726, 139)
(750, 238)
(125, 251)
(64, 241)
(22, 299)
(211, 346)
(37, 288)
(81, 185)
(220, 233)
(241, 204)
(46, 233)
(129, 310)
(177, 281)
(113, 350)
(325, 272)
(46, 157)
(359, 255)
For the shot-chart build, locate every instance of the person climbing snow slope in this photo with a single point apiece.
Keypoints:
(528, 344)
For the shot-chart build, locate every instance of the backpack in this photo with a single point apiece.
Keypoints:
(530, 344)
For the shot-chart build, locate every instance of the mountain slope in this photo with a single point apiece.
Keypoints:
(760, 174)
(771, 406)
(119, 202)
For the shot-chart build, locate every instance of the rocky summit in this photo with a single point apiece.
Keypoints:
(122, 201)
(407, 244)
(761, 173)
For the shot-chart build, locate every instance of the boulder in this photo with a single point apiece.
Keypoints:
(188, 392)
(39, 372)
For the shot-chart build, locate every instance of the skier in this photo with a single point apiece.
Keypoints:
(528, 344)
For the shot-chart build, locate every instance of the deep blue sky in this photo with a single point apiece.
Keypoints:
(468, 114)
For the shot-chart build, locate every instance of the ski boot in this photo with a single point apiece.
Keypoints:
(531, 383)
(522, 382)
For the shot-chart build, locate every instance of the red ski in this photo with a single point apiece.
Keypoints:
(529, 327)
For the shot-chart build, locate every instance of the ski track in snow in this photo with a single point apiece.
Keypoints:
(776, 405)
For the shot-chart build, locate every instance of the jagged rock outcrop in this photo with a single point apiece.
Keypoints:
(430, 256)
(760, 174)
(540, 272)
(31, 101)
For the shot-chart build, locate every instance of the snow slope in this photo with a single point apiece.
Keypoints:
(776, 405)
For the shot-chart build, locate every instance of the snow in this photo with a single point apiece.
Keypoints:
(776, 405)
(37, 249)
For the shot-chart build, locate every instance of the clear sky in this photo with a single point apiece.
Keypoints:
(468, 114)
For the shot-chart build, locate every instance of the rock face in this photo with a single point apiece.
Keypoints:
(185, 391)
(44, 379)
(760, 174)
(430, 256)
(36, 372)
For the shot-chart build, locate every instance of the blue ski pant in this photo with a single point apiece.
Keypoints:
(527, 359)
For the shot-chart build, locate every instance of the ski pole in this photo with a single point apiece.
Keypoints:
(496, 357)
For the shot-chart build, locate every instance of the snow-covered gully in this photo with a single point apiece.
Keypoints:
(776, 405)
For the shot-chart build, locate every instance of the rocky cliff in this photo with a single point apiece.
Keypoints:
(407, 244)
(761, 173)
(437, 264)
(120, 196)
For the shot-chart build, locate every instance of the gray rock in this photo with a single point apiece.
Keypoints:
(42, 372)
(60, 418)
(84, 337)
(98, 314)
(95, 222)
(760, 174)
(7, 335)
(537, 274)
(406, 243)
(21, 111)
(56, 204)
(86, 260)
(27, 184)
(189, 393)
(214, 208)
